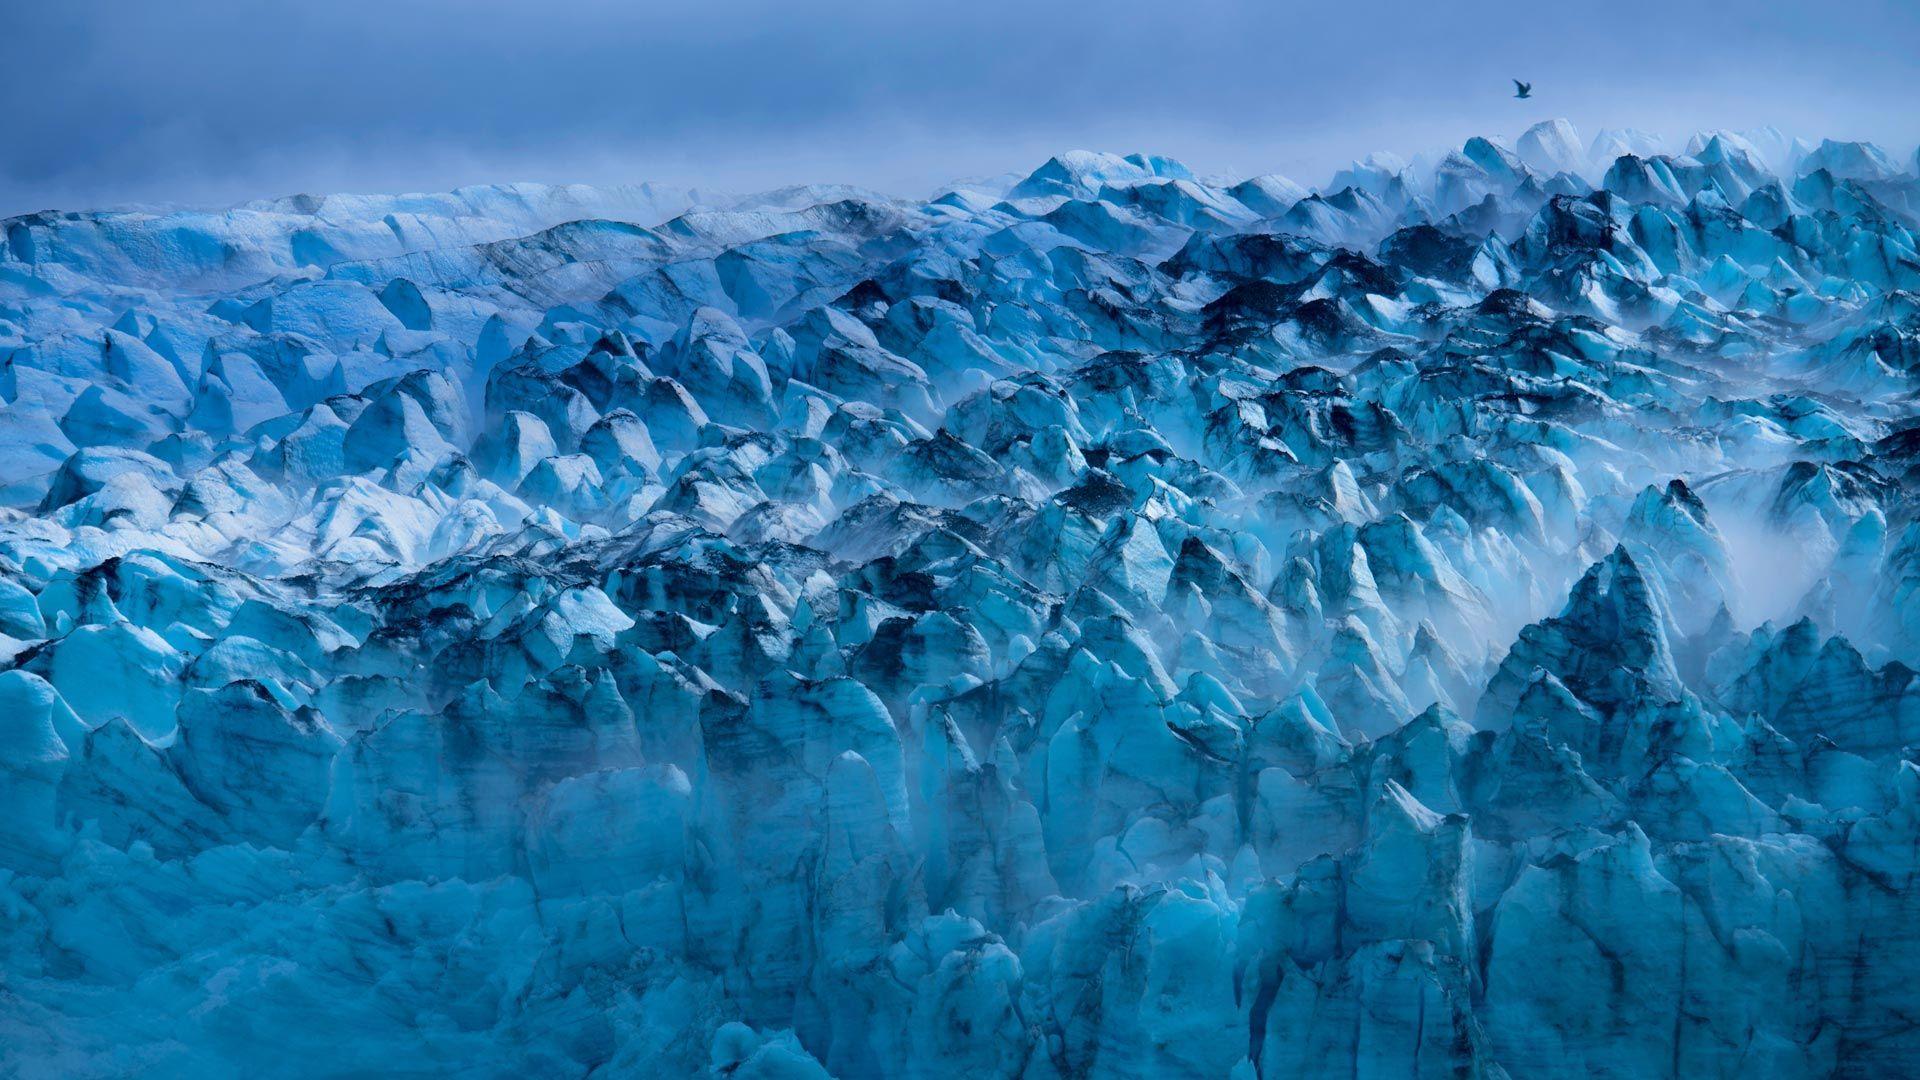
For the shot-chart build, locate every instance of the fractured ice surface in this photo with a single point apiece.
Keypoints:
(1455, 621)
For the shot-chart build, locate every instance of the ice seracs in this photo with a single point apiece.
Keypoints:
(1458, 619)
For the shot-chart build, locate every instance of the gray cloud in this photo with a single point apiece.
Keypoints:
(204, 101)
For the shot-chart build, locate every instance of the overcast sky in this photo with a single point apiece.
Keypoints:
(198, 101)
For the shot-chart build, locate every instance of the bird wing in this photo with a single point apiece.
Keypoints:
(1522, 87)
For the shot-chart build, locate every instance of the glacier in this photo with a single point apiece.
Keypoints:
(1456, 620)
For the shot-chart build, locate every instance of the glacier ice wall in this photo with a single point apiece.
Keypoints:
(1455, 621)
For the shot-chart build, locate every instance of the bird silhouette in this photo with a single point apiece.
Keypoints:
(1522, 89)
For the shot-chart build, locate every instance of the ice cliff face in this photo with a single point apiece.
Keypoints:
(1452, 622)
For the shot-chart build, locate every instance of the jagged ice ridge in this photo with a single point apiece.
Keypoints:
(1452, 622)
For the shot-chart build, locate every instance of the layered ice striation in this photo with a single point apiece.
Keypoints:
(1454, 621)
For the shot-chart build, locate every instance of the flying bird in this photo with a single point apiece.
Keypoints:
(1522, 89)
